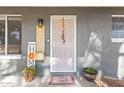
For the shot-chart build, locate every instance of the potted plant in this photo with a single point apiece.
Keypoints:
(29, 73)
(90, 73)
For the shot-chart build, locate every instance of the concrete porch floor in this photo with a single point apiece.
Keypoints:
(18, 81)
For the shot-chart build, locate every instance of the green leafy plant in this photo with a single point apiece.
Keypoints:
(90, 70)
(30, 70)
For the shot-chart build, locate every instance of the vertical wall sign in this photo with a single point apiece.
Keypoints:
(40, 40)
(40, 34)
(31, 54)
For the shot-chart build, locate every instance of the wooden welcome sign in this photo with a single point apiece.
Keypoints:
(40, 40)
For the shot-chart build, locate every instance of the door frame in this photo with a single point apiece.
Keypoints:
(75, 40)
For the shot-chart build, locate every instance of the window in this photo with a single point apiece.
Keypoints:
(117, 28)
(10, 34)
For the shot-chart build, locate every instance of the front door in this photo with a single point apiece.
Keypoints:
(63, 43)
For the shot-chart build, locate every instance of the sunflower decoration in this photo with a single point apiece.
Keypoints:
(31, 56)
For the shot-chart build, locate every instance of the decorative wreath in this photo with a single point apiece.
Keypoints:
(31, 56)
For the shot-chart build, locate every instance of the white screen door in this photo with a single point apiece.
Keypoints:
(62, 54)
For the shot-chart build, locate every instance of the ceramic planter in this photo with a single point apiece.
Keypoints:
(89, 77)
(90, 73)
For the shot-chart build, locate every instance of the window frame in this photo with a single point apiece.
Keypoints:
(6, 55)
(114, 39)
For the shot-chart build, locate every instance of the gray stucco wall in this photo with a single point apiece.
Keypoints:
(94, 46)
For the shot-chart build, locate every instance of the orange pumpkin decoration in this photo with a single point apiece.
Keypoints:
(31, 56)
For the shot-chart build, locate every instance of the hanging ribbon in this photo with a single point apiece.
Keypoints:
(63, 37)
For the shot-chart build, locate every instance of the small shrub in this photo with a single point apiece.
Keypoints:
(90, 70)
(30, 70)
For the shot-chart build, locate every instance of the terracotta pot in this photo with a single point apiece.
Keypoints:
(26, 76)
(89, 77)
(29, 77)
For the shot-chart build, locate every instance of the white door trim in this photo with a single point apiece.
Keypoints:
(75, 36)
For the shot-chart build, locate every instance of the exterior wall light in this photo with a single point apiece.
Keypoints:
(40, 22)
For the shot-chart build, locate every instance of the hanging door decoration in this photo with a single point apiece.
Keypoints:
(63, 36)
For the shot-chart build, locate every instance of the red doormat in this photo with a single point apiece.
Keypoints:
(62, 80)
